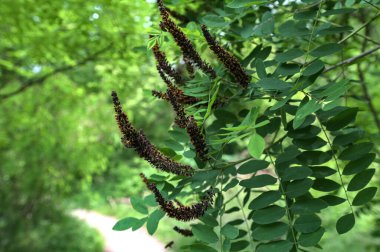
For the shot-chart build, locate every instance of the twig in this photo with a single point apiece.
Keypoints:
(353, 59)
(39, 80)
(360, 28)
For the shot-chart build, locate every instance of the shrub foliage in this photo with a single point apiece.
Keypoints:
(263, 140)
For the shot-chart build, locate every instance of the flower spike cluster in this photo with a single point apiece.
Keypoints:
(175, 96)
(181, 119)
(145, 149)
(183, 42)
(197, 138)
(163, 64)
(229, 61)
(192, 129)
(182, 213)
(184, 232)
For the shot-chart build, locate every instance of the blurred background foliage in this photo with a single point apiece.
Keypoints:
(59, 145)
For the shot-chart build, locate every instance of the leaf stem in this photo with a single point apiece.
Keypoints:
(336, 163)
(286, 204)
(246, 223)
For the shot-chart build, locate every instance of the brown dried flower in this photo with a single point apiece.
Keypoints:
(163, 64)
(146, 150)
(197, 138)
(229, 61)
(184, 232)
(182, 213)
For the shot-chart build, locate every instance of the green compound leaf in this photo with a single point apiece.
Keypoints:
(239, 245)
(325, 185)
(244, 3)
(308, 206)
(326, 49)
(270, 231)
(204, 233)
(298, 187)
(139, 205)
(230, 231)
(296, 173)
(153, 220)
(345, 223)
(313, 68)
(273, 84)
(332, 200)
(256, 146)
(307, 223)
(264, 200)
(258, 181)
(359, 165)
(356, 151)
(214, 21)
(277, 246)
(342, 119)
(311, 239)
(305, 110)
(348, 138)
(364, 196)
(268, 215)
(289, 55)
(360, 180)
(310, 144)
(128, 223)
(322, 171)
(252, 166)
(314, 157)
(198, 247)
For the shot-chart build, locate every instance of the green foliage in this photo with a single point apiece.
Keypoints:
(292, 157)
(289, 142)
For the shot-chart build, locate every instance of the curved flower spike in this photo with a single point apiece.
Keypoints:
(182, 213)
(145, 149)
(183, 42)
(228, 60)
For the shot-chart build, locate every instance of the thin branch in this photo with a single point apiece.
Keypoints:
(40, 80)
(368, 98)
(353, 59)
(360, 28)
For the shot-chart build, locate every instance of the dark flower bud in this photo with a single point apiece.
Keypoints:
(182, 213)
(132, 138)
(169, 245)
(183, 42)
(184, 232)
(228, 60)
(197, 138)
(164, 65)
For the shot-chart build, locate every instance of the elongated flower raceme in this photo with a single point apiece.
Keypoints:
(182, 213)
(174, 96)
(181, 119)
(195, 134)
(178, 93)
(183, 42)
(228, 60)
(164, 65)
(146, 150)
(184, 232)
(197, 138)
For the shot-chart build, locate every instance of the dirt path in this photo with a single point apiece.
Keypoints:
(119, 241)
